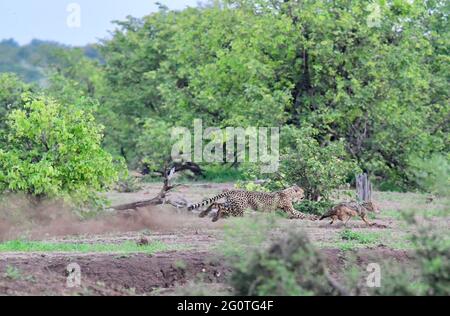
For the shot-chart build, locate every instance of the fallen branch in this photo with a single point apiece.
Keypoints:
(159, 199)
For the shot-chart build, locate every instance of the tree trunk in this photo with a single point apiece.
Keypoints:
(363, 188)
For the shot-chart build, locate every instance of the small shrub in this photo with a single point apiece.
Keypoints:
(433, 254)
(222, 173)
(13, 273)
(429, 272)
(313, 207)
(399, 281)
(432, 174)
(289, 266)
(317, 168)
(244, 235)
(251, 186)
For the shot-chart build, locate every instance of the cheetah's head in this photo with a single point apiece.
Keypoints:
(296, 193)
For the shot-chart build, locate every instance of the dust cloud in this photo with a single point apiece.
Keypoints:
(21, 218)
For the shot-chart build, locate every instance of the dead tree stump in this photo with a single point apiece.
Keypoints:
(363, 188)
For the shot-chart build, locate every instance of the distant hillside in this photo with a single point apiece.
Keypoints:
(31, 61)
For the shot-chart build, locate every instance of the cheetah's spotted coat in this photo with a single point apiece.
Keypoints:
(236, 201)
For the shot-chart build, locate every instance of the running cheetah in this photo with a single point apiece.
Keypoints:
(236, 201)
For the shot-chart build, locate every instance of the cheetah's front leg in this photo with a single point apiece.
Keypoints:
(292, 212)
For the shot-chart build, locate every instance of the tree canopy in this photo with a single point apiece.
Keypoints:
(372, 76)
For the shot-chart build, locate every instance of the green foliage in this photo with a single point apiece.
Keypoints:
(256, 63)
(362, 238)
(432, 174)
(13, 273)
(125, 247)
(290, 266)
(433, 253)
(313, 207)
(11, 91)
(304, 162)
(222, 173)
(430, 272)
(317, 169)
(51, 150)
(252, 186)
(154, 145)
(379, 82)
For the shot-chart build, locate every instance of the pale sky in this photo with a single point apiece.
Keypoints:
(24, 20)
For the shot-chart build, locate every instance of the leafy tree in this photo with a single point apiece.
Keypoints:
(373, 74)
(304, 162)
(11, 91)
(53, 150)
(155, 150)
(198, 63)
(432, 174)
(154, 146)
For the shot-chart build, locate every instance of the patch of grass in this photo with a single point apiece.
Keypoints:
(341, 245)
(199, 288)
(13, 273)
(123, 248)
(427, 211)
(180, 264)
(362, 238)
(392, 214)
(350, 240)
(347, 246)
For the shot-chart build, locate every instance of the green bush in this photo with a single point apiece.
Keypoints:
(154, 145)
(222, 173)
(432, 174)
(433, 254)
(290, 266)
(316, 168)
(305, 162)
(11, 90)
(313, 207)
(53, 150)
(245, 235)
(429, 272)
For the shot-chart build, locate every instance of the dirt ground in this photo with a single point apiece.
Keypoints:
(196, 259)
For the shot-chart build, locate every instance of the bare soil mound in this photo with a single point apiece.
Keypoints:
(141, 274)
(106, 274)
